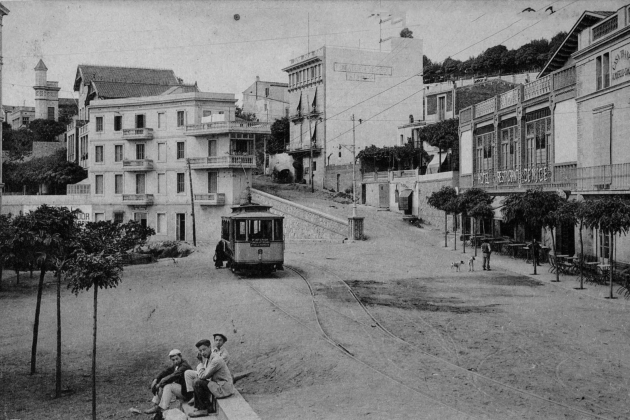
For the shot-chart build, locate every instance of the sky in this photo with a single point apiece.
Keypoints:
(206, 42)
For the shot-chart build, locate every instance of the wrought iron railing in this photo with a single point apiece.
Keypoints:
(223, 160)
(605, 27)
(138, 163)
(537, 88)
(138, 132)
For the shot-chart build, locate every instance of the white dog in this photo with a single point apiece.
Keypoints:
(471, 264)
(456, 264)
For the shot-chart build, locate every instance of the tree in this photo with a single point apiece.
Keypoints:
(46, 130)
(6, 240)
(443, 200)
(406, 33)
(99, 263)
(444, 135)
(476, 203)
(534, 208)
(19, 143)
(247, 116)
(280, 136)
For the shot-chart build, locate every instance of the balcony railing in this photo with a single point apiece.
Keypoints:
(509, 98)
(465, 115)
(304, 147)
(537, 88)
(605, 27)
(227, 126)
(564, 78)
(484, 108)
(84, 129)
(137, 134)
(210, 199)
(375, 176)
(138, 165)
(229, 161)
(138, 199)
(78, 189)
(604, 177)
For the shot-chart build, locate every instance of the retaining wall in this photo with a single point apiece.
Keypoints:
(427, 184)
(303, 223)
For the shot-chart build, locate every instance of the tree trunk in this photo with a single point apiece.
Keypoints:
(58, 370)
(38, 306)
(611, 262)
(474, 233)
(464, 230)
(455, 230)
(1, 267)
(94, 356)
(445, 229)
(581, 259)
(555, 255)
(17, 277)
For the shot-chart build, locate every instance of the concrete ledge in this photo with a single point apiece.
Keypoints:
(301, 207)
(233, 407)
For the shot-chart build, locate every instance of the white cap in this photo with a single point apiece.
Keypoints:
(174, 352)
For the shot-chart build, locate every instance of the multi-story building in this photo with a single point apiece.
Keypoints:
(46, 94)
(268, 100)
(19, 116)
(149, 158)
(565, 131)
(330, 85)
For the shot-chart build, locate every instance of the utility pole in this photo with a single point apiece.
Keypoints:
(192, 203)
(310, 170)
(354, 172)
(355, 222)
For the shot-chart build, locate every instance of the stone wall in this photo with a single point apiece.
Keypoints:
(345, 179)
(303, 223)
(432, 216)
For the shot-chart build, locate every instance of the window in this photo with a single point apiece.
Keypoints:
(98, 154)
(314, 166)
(161, 184)
(140, 183)
(140, 121)
(212, 147)
(606, 70)
(484, 145)
(140, 218)
(181, 150)
(99, 124)
(213, 178)
(118, 153)
(181, 183)
(241, 230)
(161, 152)
(259, 229)
(119, 217)
(99, 217)
(537, 135)
(161, 223)
(265, 106)
(604, 244)
(180, 118)
(206, 113)
(117, 122)
(98, 187)
(51, 113)
(508, 148)
(225, 229)
(140, 151)
(180, 229)
(118, 184)
(267, 92)
(277, 230)
(402, 139)
(161, 120)
(25, 120)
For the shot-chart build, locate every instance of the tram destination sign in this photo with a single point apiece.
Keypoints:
(259, 242)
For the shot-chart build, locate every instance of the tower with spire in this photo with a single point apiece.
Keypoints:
(46, 94)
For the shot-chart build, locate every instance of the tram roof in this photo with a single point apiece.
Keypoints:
(255, 215)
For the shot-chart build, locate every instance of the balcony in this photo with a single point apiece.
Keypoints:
(138, 165)
(303, 147)
(138, 199)
(211, 199)
(229, 161)
(228, 127)
(564, 78)
(603, 178)
(537, 88)
(137, 134)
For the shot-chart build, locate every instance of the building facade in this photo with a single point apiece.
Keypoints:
(46, 94)
(19, 116)
(155, 159)
(3, 12)
(564, 132)
(268, 100)
(330, 85)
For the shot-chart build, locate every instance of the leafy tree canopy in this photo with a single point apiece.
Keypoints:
(280, 135)
(443, 199)
(247, 116)
(46, 130)
(394, 155)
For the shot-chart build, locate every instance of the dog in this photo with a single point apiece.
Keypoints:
(471, 264)
(456, 265)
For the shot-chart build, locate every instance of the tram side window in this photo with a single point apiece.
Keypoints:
(225, 230)
(260, 229)
(241, 230)
(277, 230)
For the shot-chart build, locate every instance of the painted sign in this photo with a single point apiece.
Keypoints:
(620, 66)
(360, 77)
(259, 242)
(84, 215)
(363, 68)
(532, 175)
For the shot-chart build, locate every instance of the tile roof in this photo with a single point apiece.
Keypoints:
(89, 73)
(113, 90)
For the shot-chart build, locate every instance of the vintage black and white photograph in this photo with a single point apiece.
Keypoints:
(315, 209)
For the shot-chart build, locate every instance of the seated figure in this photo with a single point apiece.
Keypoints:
(170, 383)
(213, 377)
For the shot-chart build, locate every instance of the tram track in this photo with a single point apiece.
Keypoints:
(475, 375)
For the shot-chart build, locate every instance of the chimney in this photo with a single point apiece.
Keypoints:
(257, 79)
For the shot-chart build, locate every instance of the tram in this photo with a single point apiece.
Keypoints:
(253, 238)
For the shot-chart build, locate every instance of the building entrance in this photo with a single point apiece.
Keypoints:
(181, 226)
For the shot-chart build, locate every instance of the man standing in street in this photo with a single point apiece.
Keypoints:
(214, 378)
(535, 251)
(169, 383)
(486, 250)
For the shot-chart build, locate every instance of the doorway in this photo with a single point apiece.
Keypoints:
(181, 226)
(383, 195)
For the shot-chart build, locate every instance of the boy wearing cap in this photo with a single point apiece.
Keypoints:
(213, 377)
(169, 383)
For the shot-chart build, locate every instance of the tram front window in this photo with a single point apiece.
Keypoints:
(241, 230)
(260, 229)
